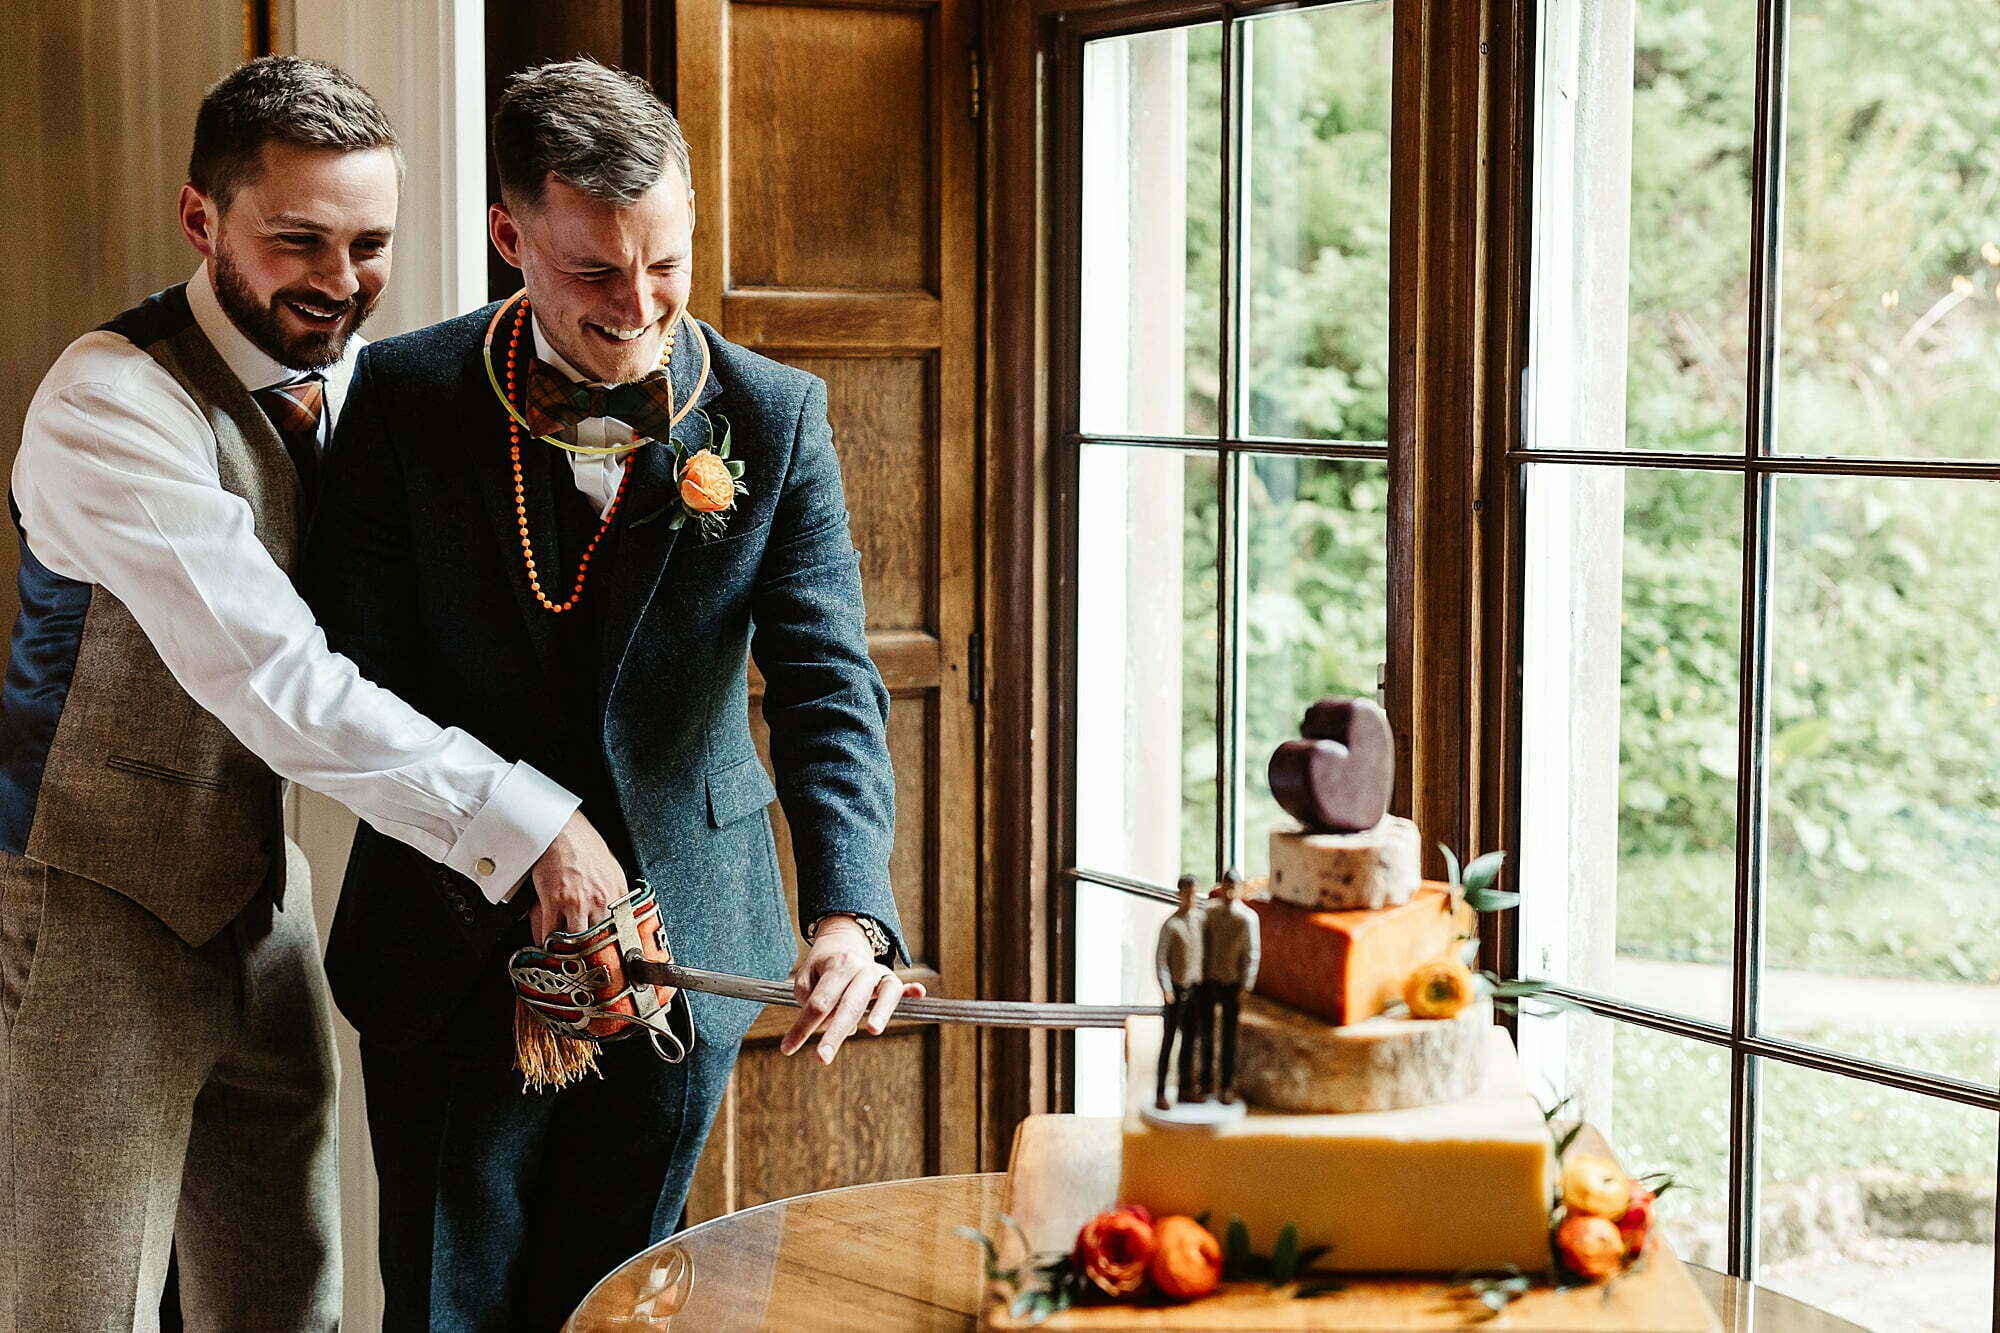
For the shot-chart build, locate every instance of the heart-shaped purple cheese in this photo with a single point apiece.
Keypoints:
(1337, 778)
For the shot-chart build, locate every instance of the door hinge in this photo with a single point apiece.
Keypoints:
(972, 71)
(975, 668)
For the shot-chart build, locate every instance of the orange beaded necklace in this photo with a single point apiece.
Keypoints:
(514, 418)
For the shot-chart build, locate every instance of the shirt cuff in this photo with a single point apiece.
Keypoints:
(511, 831)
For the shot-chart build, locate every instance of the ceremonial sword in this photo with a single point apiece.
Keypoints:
(923, 1008)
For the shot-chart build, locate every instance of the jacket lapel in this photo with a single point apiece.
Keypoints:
(645, 541)
(487, 441)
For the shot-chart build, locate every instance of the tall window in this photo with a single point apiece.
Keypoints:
(1759, 824)
(1229, 419)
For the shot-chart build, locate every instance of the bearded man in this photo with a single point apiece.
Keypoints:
(166, 1055)
(533, 528)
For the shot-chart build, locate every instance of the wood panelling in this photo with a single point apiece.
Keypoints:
(883, 407)
(883, 1131)
(833, 162)
(831, 134)
(841, 320)
(912, 748)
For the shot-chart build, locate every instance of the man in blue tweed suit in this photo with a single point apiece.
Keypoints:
(592, 613)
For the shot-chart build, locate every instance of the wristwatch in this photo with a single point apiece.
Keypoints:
(876, 934)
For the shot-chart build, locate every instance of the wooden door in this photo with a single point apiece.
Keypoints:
(833, 146)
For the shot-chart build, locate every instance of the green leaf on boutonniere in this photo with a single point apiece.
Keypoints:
(1451, 871)
(1285, 1255)
(735, 466)
(1236, 1249)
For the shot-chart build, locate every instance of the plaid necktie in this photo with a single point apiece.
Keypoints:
(294, 409)
(555, 402)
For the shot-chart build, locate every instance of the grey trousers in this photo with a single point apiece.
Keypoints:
(154, 1097)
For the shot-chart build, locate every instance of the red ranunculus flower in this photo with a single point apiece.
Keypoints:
(1637, 1220)
(1115, 1247)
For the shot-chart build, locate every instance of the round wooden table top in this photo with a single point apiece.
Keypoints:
(888, 1258)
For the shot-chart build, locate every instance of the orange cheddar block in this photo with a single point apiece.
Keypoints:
(1347, 966)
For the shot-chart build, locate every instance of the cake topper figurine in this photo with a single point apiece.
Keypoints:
(1336, 779)
(1177, 961)
(1229, 951)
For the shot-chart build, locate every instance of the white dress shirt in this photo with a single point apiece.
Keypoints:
(117, 484)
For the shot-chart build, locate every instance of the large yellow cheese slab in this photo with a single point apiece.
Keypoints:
(1462, 1184)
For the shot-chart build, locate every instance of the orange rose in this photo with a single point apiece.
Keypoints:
(1590, 1246)
(1596, 1186)
(1114, 1248)
(1187, 1264)
(706, 486)
(1440, 988)
(1636, 1222)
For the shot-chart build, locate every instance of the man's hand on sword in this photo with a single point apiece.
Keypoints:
(838, 986)
(576, 881)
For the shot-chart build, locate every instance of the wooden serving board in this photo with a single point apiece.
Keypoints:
(1065, 1170)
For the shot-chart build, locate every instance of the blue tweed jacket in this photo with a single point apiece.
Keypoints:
(414, 567)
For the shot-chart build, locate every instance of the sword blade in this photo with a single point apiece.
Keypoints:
(926, 1009)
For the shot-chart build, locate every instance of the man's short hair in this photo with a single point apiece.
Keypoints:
(280, 99)
(595, 129)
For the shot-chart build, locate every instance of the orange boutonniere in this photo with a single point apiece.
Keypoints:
(707, 481)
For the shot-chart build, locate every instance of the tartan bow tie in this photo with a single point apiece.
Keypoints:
(555, 401)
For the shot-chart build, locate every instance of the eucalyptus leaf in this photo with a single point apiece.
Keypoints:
(1451, 871)
(1236, 1247)
(735, 466)
(1482, 872)
(1567, 1138)
(1285, 1256)
(1491, 900)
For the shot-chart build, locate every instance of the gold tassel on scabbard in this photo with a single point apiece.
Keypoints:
(548, 1058)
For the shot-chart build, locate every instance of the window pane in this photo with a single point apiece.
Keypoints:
(1116, 934)
(1150, 353)
(1145, 678)
(1628, 739)
(1642, 232)
(1316, 191)
(1884, 764)
(1317, 619)
(1892, 230)
(1663, 1103)
(1876, 1204)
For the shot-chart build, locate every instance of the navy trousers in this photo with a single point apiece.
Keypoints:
(500, 1209)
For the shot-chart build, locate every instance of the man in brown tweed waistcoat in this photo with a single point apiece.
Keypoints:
(166, 1058)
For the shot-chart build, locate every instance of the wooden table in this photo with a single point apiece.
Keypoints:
(886, 1258)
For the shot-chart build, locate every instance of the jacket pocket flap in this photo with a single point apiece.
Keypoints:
(742, 789)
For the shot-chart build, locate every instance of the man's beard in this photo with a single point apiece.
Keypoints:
(260, 322)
